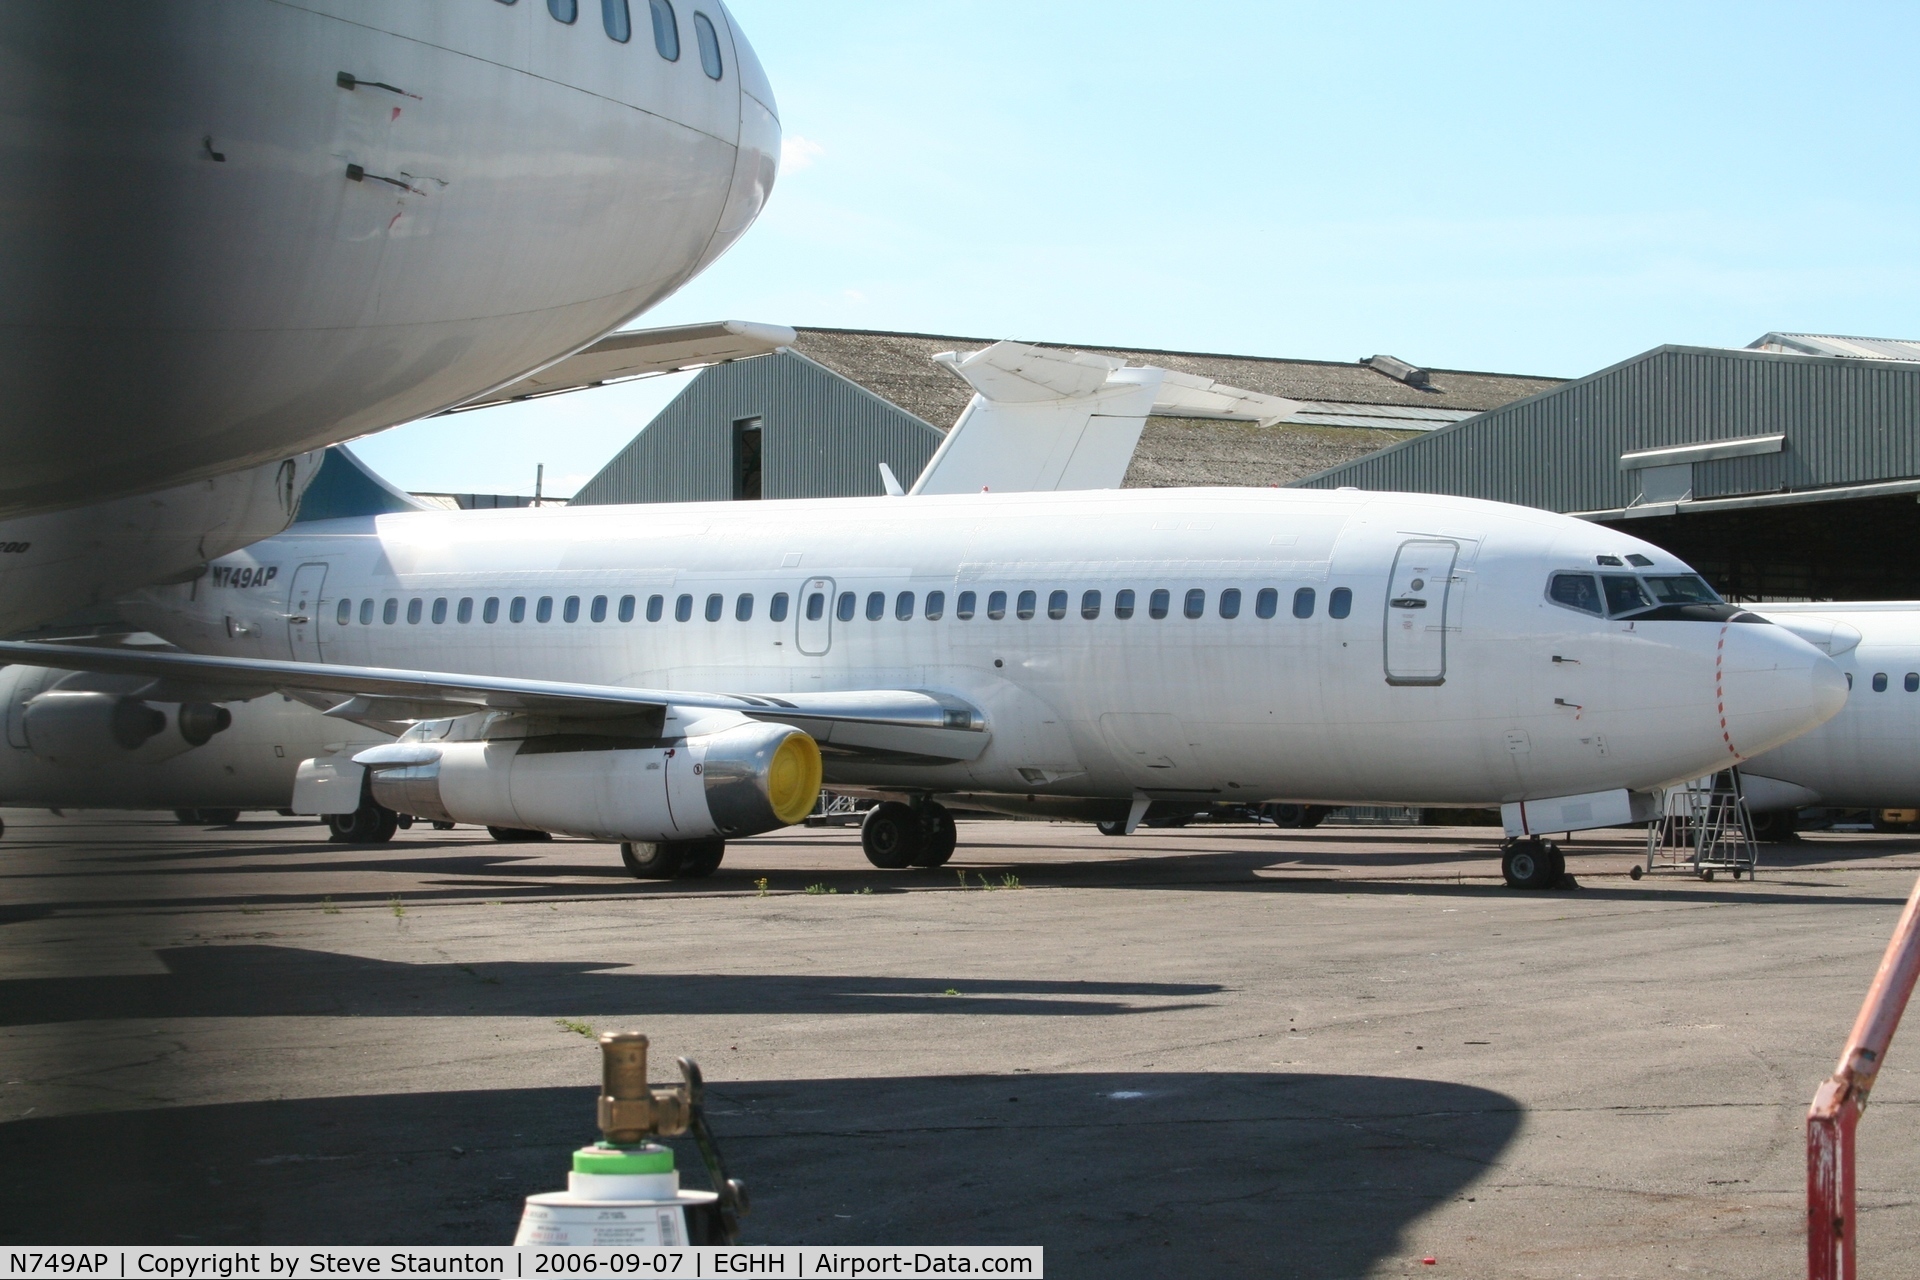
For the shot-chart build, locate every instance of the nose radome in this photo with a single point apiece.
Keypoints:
(1773, 687)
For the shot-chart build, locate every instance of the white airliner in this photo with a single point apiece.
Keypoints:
(667, 676)
(240, 231)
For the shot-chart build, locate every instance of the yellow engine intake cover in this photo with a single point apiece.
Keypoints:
(793, 778)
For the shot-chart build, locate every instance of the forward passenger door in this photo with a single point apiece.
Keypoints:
(1416, 622)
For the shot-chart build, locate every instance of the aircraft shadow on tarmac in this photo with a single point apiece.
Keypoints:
(1230, 1174)
(247, 981)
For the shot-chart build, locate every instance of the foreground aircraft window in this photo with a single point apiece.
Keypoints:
(1879, 682)
(345, 614)
(1635, 558)
(1090, 605)
(598, 612)
(777, 607)
(616, 19)
(843, 608)
(903, 606)
(564, 10)
(876, 605)
(1196, 602)
(816, 605)
(390, 612)
(1267, 603)
(1574, 590)
(1624, 593)
(1057, 605)
(366, 611)
(682, 608)
(963, 606)
(936, 605)
(1123, 604)
(1303, 603)
(465, 612)
(709, 45)
(1157, 603)
(543, 609)
(490, 611)
(656, 605)
(1913, 682)
(413, 610)
(1025, 607)
(1682, 589)
(1230, 603)
(517, 611)
(440, 610)
(715, 603)
(571, 609)
(626, 608)
(743, 607)
(997, 605)
(666, 31)
(1340, 603)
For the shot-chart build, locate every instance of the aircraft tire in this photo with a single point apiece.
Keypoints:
(1559, 863)
(938, 837)
(1776, 825)
(218, 817)
(1313, 815)
(1526, 864)
(652, 860)
(1285, 815)
(890, 835)
(1112, 827)
(699, 858)
(187, 817)
(369, 824)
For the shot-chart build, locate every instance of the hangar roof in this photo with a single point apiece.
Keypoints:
(1828, 344)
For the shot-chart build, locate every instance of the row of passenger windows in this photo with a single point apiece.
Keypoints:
(618, 21)
(1266, 603)
(1880, 681)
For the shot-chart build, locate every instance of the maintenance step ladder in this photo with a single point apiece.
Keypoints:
(1704, 828)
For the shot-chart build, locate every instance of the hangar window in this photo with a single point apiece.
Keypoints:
(1303, 603)
(1685, 588)
(517, 611)
(682, 608)
(963, 605)
(1090, 605)
(656, 605)
(543, 609)
(413, 610)
(777, 607)
(1624, 593)
(1913, 682)
(1024, 607)
(936, 605)
(390, 612)
(616, 19)
(997, 605)
(626, 608)
(1230, 603)
(1267, 603)
(1575, 591)
(571, 609)
(743, 607)
(876, 605)
(715, 604)
(1879, 682)
(1123, 604)
(1340, 602)
(564, 10)
(1635, 558)
(1056, 605)
(366, 611)
(598, 611)
(345, 612)
(465, 612)
(666, 31)
(903, 606)
(440, 610)
(1196, 602)
(709, 45)
(843, 610)
(1157, 603)
(490, 611)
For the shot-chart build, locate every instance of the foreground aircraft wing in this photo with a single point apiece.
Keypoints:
(889, 722)
(638, 352)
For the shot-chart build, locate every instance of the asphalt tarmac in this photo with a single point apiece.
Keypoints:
(1216, 1051)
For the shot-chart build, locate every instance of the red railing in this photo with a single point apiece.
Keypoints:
(1831, 1222)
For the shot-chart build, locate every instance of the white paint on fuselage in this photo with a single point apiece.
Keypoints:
(1242, 708)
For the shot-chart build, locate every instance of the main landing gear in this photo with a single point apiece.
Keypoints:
(896, 835)
(672, 859)
(1532, 863)
(371, 823)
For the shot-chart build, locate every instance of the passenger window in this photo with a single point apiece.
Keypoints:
(1026, 604)
(683, 608)
(1340, 603)
(816, 606)
(1575, 591)
(777, 607)
(543, 609)
(666, 31)
(1303, 603)
(465, 612)
(1879, 682)
(571, 609)
(626, 608)
(390, 612)
(598, 612)
(366, 611)
(1123, 604)
(490, 611)
(1267, 603)
(1196, 602)
(876, 605)
(936, 605)
(1090, 605)
(963, 606)
(1913, 682)
(344, 614)
(1624, 593)
(903, 607)
(1230, 603)
(656, 605)
(564, 10)
(709, 45)
(619, 23)
(517, 611)
(715, 603)
(743, 607)
(1157, 603)
(1056, 605)
(413, 610)
(997, 605)
(844, 609)
(440, 610)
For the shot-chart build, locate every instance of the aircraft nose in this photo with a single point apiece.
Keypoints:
(757, 159)
(1772, 686)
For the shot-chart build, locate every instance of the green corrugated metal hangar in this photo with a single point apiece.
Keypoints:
(1787, 470)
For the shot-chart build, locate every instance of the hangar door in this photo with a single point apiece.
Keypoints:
(1417, 611)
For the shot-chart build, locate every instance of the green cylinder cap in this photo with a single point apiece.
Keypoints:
(605, 1158)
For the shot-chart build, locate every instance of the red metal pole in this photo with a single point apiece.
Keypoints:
(1837, 1106)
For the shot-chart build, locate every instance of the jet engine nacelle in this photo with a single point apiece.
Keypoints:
(79, 729)
(739, 781)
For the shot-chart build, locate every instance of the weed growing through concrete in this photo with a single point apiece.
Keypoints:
(867, 889)
(760, 886)
(962, 873)
(578, 1028)
(820, 888)
(327, 907)
(1011, 881)
(394, 905)
(950, 991)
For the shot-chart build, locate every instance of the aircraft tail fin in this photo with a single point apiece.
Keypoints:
(346, 486)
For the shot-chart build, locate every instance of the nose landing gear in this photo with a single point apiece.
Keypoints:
(896, 835)
(1532, 863)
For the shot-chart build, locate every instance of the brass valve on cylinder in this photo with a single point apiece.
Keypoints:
(631, 1110)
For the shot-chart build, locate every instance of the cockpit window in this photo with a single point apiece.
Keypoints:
(1576, 591)
(709, 45)
(666, 30)
(1682, 589)
(1624, 593)
(1635, 558)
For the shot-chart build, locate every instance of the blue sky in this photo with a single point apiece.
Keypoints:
(1523, 188)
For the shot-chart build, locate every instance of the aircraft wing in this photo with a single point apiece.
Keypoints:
(637, 352)
(892, 722)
